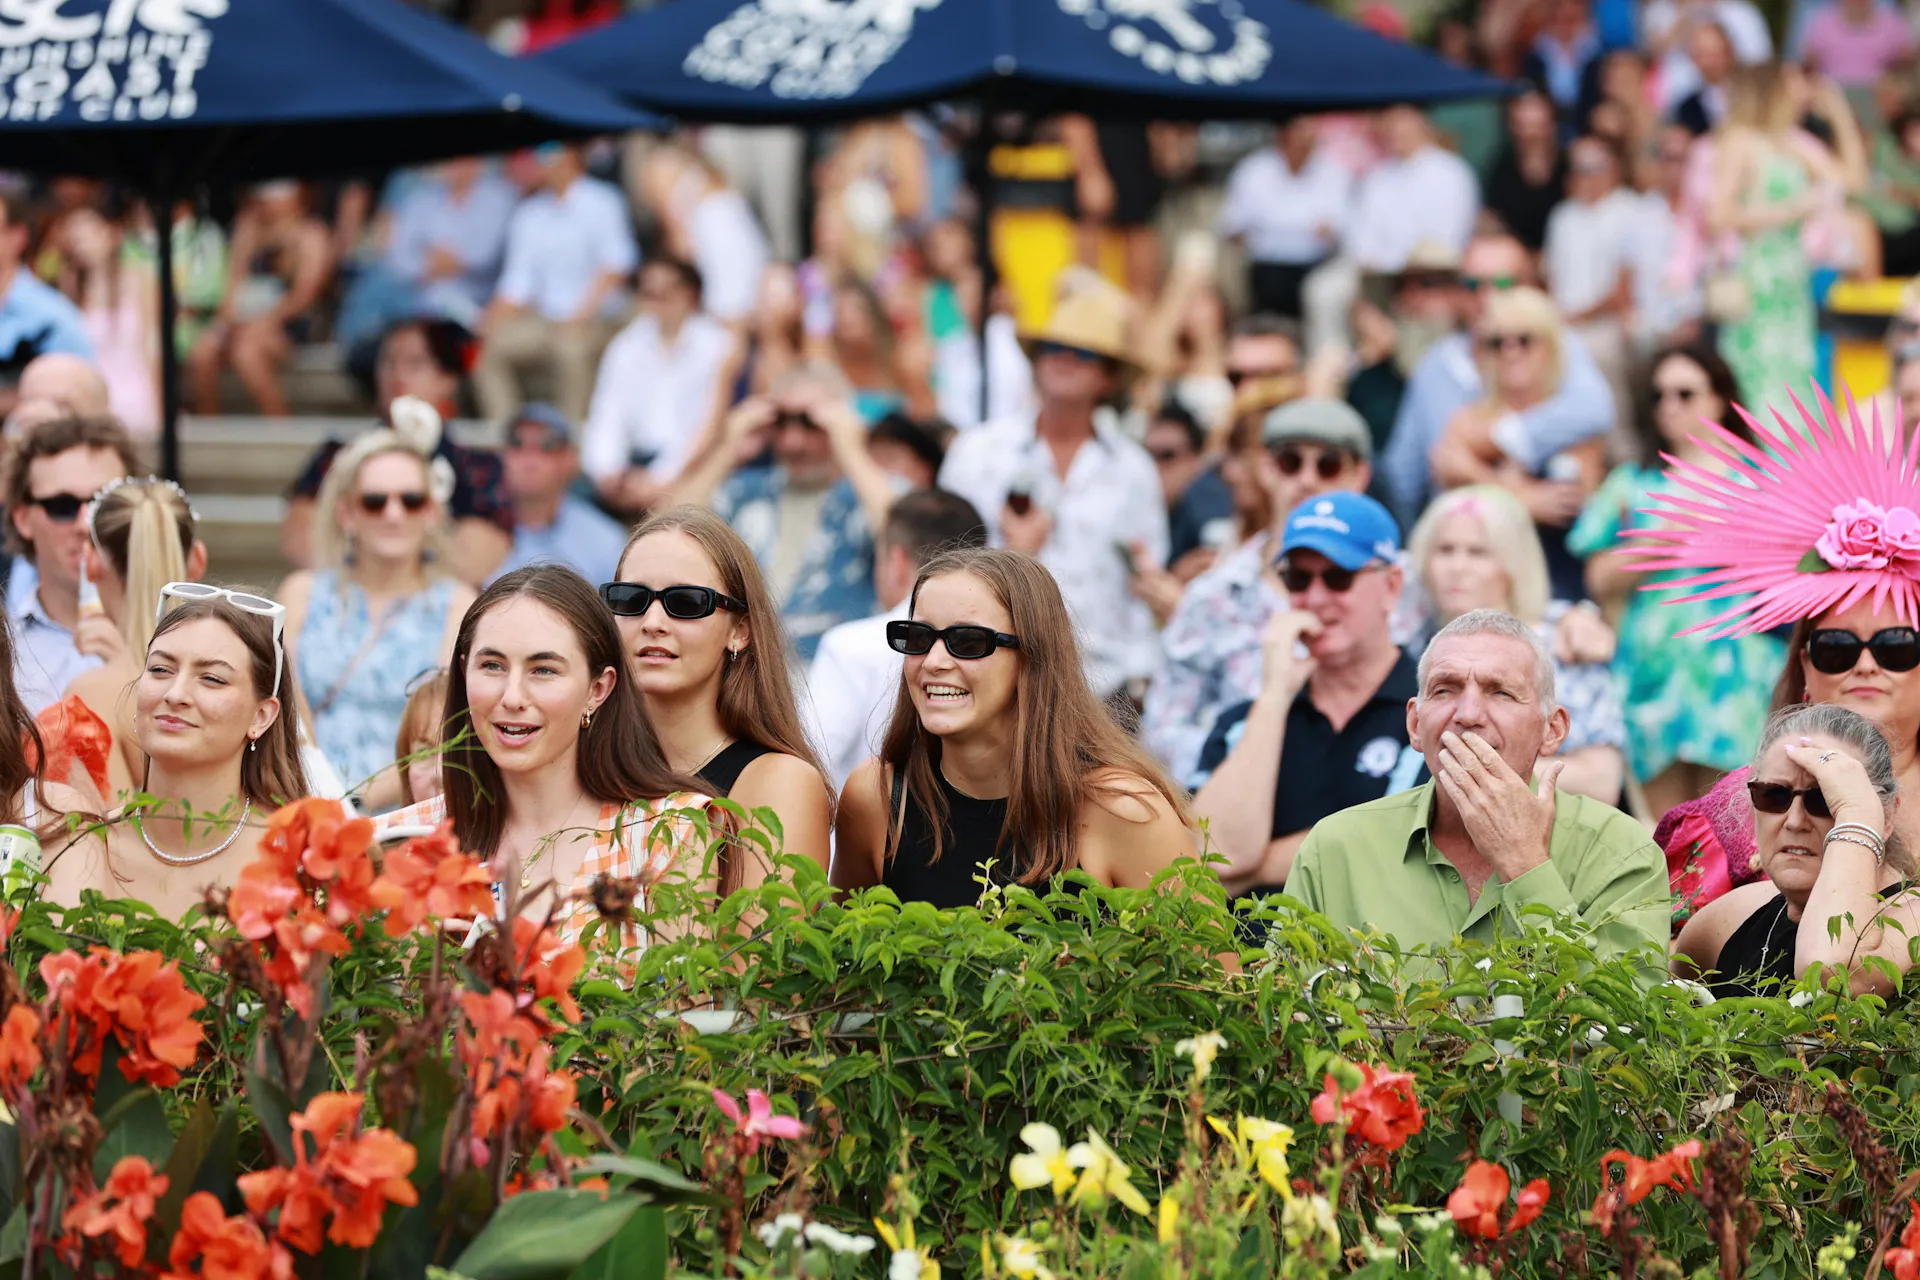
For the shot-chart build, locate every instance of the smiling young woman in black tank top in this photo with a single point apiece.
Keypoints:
(998, 753)
(709, 655)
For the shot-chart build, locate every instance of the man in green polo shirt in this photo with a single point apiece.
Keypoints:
(1466, 854)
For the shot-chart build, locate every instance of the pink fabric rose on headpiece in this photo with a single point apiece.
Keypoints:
(1863, 535)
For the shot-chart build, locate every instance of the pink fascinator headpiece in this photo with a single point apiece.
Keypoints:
(1794, 525)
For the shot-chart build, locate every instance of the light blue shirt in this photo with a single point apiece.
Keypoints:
(557, 246)
(1447, 380)
(581, 537)
(474, 230)
(44, 659)
(40, 317)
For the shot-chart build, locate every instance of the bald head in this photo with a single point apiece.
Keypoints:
(66, 380)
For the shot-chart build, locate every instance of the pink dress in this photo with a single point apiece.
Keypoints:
(121, 347)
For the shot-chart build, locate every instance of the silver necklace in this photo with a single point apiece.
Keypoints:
(1766, 942)
(195, 859)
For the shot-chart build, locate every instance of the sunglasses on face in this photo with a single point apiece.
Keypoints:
(1500, 342)
(1299, 579)
(687, 603)
(1685, 395)
(1777, 797)
(1235, 377)
(794, 418)
(962, 641)
(1835, 652)
(1164, 456)
(1043, 349)
(1474, 284)
(61, 508)
(412, 500)
(543, 441)
(1291, 461)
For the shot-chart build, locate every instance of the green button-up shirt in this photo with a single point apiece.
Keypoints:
(1375, 866)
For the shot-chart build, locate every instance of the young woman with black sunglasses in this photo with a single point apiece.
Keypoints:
(1000, 763)
(1839, 875)
(709, 655)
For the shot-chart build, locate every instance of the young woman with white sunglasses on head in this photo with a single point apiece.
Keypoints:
(212, 712)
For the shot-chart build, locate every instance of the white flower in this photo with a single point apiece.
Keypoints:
(911, 1264)
(838, 1241)
(1203, 1049)
(772, 1234)
(416, 422)
(1044, 1163)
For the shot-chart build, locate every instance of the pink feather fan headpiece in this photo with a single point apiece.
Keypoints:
(1798, 524)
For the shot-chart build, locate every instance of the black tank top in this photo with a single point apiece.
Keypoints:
(1758, 958)
(724, 770)
(968, 838)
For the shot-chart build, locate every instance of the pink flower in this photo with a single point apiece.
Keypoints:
(1864, 535)
(759, 1123)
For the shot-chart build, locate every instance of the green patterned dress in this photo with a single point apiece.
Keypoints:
(1686, 698)
(1771, 348)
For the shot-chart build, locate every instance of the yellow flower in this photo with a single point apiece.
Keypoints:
(1169, 1224)
(1203, 1049)
(1022, 1259)
(1103, 1175)
(1260, 1145)
(1045, 1162)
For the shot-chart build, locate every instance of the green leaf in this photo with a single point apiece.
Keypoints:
(1812, 562)
(545, 1235)
(639, 1252)
(662, 1185)
(183, 1167)
(136, 1126)
(13, 1236)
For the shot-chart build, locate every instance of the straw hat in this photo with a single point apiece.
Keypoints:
(1092, 318)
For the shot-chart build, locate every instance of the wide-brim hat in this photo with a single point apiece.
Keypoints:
(1094, 318)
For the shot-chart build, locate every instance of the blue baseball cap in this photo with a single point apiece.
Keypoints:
(1350, 529)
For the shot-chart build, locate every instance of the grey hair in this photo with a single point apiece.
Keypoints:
(1806, 719)
(1498, 622)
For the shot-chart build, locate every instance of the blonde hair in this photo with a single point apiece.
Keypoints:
(1757, 98)
(330, 539)
(1523, 310)
(1510, 536)
(144, 529)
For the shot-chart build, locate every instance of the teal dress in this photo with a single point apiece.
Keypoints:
(1686, 697)
(1771, 348)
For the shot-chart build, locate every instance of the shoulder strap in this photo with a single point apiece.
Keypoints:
(367, 645)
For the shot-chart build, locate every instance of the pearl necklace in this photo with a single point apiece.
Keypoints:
(194, 859)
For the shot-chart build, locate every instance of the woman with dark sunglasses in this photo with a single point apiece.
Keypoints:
(709, 655)
(1839, 877)
(999, 763)
(379, 605)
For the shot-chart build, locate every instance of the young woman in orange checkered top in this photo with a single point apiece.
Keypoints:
(551, 766)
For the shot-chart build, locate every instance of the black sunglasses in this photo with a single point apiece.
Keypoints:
(1329, 465)
(631, 600)
(61, 508)
(1834, 652)
(413, 500)
(1498, 342)
(1066, 349)
(1777, 797)
(1298, 578)
(795, 418)
(962, 641)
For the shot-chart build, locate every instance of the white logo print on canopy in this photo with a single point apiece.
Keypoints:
(135, 61)
(803, 48)
(1200, 41)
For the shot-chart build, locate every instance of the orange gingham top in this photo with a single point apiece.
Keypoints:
(624, 845)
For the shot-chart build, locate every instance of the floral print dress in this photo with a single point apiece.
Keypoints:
(1771, 348)
(1686, 698)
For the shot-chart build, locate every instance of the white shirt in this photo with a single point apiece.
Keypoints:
(651, 397)
(1282, 214)
(1588, 246)
(557, 246)
(851, 688)
(1746, 31)
(1660, 304)
(1431, 195)
(1110, 496)
(731, 252)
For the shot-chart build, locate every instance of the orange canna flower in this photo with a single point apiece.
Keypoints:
(151, 1011)
(1529, 1204)
(369, 1172)
(1904, 1259)
(1382, 1112)
(430, 876)
(120, 1209)
(226, 1248)
(552, 1092)
(19, 1047)
(1671, 1169)
(549, 964)
(1476, 1203)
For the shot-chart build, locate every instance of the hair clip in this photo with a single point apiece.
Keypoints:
(111, 486)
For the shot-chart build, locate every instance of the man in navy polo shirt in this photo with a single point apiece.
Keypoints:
(1329, 727)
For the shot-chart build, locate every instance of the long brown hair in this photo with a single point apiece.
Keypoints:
(20, 766)
(619, 760)
(271, 772)
(756, 692)
(1063, 734)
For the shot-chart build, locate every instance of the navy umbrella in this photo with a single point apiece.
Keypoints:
(161, 95)
(779, 61)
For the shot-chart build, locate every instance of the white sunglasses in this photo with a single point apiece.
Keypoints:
(258, 605)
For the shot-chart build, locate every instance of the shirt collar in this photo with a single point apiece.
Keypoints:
(1402, 682)
(1419, 841)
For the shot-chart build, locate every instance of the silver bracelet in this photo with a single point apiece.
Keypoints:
(1878, 851)
(1871, 833)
